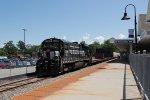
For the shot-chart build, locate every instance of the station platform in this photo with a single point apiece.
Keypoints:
(105, 81)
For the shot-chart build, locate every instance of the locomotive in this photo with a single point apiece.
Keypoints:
(58, 56)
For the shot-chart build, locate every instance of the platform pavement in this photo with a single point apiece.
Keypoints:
(112, 82)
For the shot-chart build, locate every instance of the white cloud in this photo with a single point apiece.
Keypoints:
(90, 40)
(100, 39)
(1, 45)
(72, 40)
(86, 37)
(121, 36)
(64, 37)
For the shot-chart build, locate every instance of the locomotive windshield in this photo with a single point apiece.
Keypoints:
(51, 54)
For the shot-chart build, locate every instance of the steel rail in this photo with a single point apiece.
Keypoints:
(13, 85)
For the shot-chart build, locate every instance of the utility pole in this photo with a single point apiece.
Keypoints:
(24, 46)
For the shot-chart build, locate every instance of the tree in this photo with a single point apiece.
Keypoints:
(2, 52)
(21, 46)
(32, 50)
(106, 45)
(10, 48)
(35, 48)
(109, 46)
(93, 47)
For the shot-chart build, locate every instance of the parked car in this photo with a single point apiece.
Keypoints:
(7, 63)
(2, 64)
(12, 64)
(26, 63)
(33, 62)
(19, 63)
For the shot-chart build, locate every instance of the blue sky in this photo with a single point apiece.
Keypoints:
(73, 20)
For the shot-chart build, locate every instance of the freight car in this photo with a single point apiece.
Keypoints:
(103, 54)
(57, 56)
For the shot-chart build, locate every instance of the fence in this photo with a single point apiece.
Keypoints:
(140, 65)
(16, 71)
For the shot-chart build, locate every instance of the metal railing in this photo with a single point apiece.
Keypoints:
(140, 65)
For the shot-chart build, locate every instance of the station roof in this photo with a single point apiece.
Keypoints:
(124, 44)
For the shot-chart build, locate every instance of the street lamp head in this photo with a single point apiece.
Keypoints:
(125, 17)
(24, 29)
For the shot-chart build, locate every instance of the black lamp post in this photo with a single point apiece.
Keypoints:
(125, 17)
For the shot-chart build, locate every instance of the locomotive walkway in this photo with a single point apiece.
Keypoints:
(111, 81)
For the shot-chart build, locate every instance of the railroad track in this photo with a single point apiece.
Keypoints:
(13, 85)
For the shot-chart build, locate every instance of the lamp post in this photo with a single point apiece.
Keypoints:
(24, 46)
(125, 17)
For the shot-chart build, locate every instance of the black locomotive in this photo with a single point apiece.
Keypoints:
(57, 56)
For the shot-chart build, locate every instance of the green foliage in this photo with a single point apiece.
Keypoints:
(10, 49)
(108, 45)
(33, 50)
(105, 45)
(93, 47)
(2, 52)
(21, 47)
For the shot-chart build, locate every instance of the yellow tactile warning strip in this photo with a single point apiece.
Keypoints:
(49, 89)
